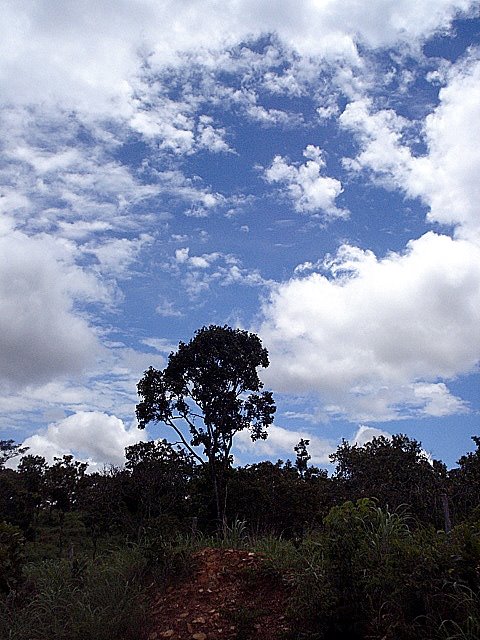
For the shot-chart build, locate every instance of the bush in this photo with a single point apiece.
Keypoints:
(12, 557)
(367, 574)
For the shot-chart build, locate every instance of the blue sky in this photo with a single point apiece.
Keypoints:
(306, 170)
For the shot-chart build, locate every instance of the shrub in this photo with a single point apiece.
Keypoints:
(12, 557)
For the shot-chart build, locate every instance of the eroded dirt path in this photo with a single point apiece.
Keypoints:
(230, 595)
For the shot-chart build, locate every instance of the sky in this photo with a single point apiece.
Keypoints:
(308, 170)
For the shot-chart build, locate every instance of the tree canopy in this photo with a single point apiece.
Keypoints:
(211, 388)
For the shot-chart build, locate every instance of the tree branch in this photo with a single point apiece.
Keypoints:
(184, 442)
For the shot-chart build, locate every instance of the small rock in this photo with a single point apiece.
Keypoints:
(199, 636)
(167, 634)
(200, 620)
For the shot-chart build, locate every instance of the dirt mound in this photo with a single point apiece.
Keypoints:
(230, 595)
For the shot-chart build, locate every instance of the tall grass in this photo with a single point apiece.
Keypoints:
(79, 600)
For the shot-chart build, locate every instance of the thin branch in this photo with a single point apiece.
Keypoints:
(185, 443)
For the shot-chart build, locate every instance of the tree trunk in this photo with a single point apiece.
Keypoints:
(219, 491)
(446, 513)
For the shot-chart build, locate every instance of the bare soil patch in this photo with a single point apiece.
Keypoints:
(230, 595)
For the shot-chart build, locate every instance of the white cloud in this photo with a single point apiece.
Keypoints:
(63, 184)
(166, 123)
(106, 386)
(116, 255)
(70, 51)
(211, 138)
(273, 116)
(41, 336)
(168, 309)
(281, 442)
(200, 272)
(200, 199)
(365, 337)
(160, 344)
(309, 191)
(450, 175)
(437, 401)
(174, 126)
(446, 177)
(91, 436)
(366, 434)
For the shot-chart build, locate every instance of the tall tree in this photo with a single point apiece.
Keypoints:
(211, 388)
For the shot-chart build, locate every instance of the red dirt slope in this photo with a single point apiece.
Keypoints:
(230, 595)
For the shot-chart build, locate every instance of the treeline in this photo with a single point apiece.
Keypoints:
(162, 487)
(386, 547)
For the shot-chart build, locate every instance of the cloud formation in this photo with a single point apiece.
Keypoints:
(280, 443)
(371, 329)
(41, 335)
(446, 176)
(91, 436)
(126, 127)
(309, 191)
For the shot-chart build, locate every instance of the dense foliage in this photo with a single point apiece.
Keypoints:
(365, 549)
(210, 387)
(386, 548)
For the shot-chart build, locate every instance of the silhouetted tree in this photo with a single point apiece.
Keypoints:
(62, 482)
(9, 450)
(303, 456)
(394, 470)
(210, 387)
(465, 482)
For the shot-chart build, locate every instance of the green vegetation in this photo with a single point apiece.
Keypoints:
(387, 548)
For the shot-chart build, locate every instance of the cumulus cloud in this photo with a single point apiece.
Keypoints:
(41, 335)
(106, 386)
(446, 177)
(70, 110)
(91, 436)
(364, 335)
(281, 442)
(309, 191)
(211, 138)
